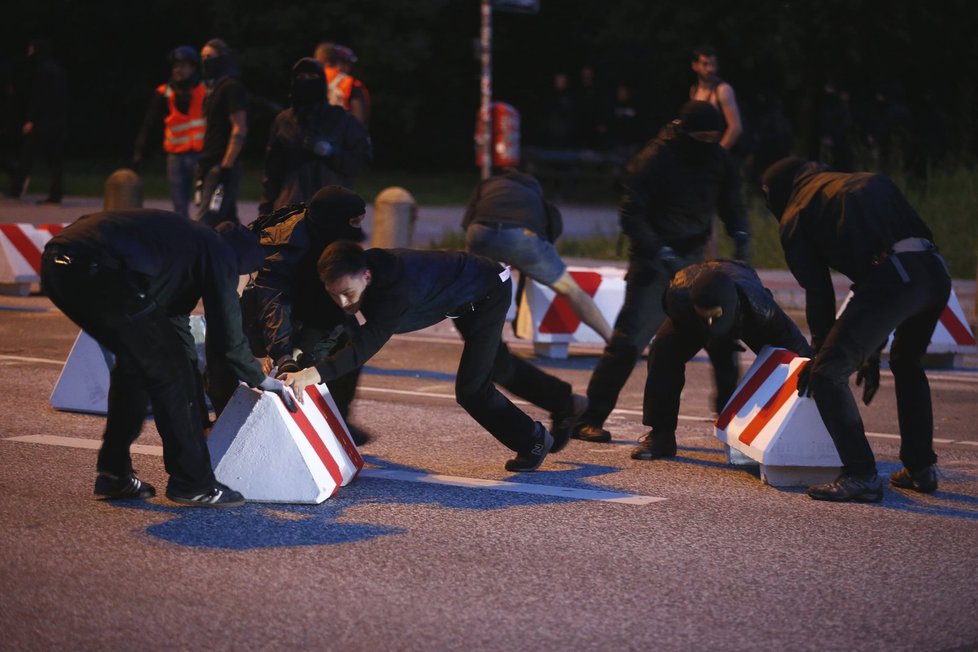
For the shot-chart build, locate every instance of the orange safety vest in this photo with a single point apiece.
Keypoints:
(339, 86)
(184, 132)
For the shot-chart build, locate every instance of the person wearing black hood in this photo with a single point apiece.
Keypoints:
(716, 302)
(225, 109)
(861, 225)
(312, 143)
(130, 279)
(288, 315)
(46, 125)
(672, 189)
(178, 105)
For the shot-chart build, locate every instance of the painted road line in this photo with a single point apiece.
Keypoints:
(19, 358)
(571, 493)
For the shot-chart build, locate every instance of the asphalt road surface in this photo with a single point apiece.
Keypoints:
(424, 551)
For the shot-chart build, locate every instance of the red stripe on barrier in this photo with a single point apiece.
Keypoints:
(771, 408)
(957, 330)
(23, 244)
(334, 422)
(53, 229)
(317, 444)
(740, 399)
(559, 317)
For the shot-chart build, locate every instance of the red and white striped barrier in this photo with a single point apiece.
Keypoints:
(272, 455)
(547, 319)
(21, 246)
(952, 334)
(767, 422)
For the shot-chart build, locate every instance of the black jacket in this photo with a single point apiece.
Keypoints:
(840, 221)
(180, 262)
(671, 199)
(294, 172)
(515, 198)
(411, 290)
(760, 321)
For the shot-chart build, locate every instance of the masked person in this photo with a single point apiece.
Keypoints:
(130, 279)
(179, 106)
(312, 144)
(401, 291)
(708, 305)
(225, 110)
(862, 226)
(287, 313)
(672, 190)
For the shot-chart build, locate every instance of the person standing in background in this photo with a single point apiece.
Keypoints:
(46, 125)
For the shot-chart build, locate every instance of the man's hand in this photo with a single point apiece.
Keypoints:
(278, 387)
(669, 258)
(869, 373)
(299, 380)
(804, 378)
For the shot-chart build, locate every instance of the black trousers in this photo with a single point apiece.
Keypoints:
(152, 366)
(487, 360)
(882, 302)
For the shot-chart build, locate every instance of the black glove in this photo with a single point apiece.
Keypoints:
(870, 374)
(742, 246)
(804, 377)
(286, 365)
(278, 387)
(669, 258)
(224, 175)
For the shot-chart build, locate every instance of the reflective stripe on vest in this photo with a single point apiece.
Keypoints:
(339, 87)
(184, 132)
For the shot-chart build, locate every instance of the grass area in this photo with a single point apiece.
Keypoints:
(948, 202)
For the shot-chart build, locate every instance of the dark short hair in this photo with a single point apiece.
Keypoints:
(703, 51)
(339, 259)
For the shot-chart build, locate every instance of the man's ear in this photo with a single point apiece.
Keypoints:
(367, 276)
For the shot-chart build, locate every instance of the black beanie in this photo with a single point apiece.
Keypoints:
(329, 213)
(696, 115)
(779, 179)
(713, 289)
(247, 250)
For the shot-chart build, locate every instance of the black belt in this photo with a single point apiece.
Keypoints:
(498, 225)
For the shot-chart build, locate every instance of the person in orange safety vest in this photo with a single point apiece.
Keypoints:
(343, 89)
(178, 106)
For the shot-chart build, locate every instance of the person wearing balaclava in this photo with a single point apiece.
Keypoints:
(672, 189)
(130, 279)
(708, 305)
(46, 121)
(312, 144)
(288, 315)
(861, 225)
(225, 110)
(177, 105)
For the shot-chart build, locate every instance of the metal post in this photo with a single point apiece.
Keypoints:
(486, 84)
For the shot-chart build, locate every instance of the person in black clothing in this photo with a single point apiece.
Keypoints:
(312, 144)
(130, 279)
(708, 305)
(225, 110)
(400, 291)
(671, 190)
(287, 314)
(861, 225)
(46, 126)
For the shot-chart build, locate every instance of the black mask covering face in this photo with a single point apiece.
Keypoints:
(308, 92)
(213, 67)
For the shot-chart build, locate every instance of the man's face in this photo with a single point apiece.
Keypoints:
(705, 67)
(182, 70)
(347, 291)
(208, 52)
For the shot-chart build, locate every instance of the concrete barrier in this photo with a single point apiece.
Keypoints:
(21, 246)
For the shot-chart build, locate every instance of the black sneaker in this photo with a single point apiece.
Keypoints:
(654, 448)
(924, 480)
(847, 487)
(219, 495)
(587, 432)
(532, 459)
(564, 420)
(127, 487)
(359, 435)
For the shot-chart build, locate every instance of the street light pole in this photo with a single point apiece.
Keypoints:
(486, 86)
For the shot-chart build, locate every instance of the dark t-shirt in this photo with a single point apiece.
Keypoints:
(228, 96)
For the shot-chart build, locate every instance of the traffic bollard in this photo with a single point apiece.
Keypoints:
(395, 213)
(123, 189)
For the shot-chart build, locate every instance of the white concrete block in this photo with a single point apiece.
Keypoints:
(269, 454)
